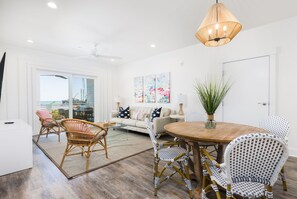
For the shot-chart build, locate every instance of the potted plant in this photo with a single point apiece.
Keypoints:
(211, 94)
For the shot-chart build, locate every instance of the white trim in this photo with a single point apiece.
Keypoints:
(293, 152)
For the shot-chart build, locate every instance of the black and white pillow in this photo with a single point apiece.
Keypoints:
(156, 113)
(124, 113)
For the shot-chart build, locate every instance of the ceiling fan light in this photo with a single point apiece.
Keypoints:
(219, 26)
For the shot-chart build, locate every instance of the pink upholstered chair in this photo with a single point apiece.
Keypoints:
(48, 124)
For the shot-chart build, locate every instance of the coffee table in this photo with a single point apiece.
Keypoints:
(114, 127)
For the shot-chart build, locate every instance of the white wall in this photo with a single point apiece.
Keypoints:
(197, 62)
(185, 66)
(20, 71)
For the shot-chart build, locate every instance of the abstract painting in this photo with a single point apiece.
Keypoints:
(138, 89)
(163, 88)
(150, 89)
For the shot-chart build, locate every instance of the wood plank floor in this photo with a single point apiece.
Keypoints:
(130, 178)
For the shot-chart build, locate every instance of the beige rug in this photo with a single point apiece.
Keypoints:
(121, 145)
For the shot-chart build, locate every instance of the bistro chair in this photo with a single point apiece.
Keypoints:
(196, 117)
(251, 166)
(169, 153)
(48, 124)
(85, 136)
(278, 126)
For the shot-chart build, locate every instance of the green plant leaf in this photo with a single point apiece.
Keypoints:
(211, 94)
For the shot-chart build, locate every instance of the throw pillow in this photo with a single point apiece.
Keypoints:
(156, 113)
(124, 113)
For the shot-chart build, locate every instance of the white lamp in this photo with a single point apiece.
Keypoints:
(117, 100)
(181, 99)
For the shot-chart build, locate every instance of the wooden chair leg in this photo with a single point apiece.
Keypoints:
(105, 147)
(47, 132)
(228, 192)
(269, 192)
(283, 176)
(40, 132)
(65, 153)
(59, 131)
(188, 180)
(156, 177)
(88, 154)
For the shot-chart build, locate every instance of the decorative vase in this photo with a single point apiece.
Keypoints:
(181, 112)
(210, 123)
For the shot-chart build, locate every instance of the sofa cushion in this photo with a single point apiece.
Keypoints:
(147, 110)
(129, 122)
(142, 115)
(124, 113)
(141, 124)
(117, 120)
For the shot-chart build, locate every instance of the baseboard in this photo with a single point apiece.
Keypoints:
(293, 152)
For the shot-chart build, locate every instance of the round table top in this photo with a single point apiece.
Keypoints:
(196, 131)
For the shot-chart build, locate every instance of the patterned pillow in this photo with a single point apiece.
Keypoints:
(124, 113)
(156, 113)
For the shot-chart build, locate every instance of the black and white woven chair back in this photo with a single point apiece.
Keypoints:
(193, 117)
(276, 125)
(149, 128)
(255, 157)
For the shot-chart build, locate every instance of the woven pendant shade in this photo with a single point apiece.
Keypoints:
(219, 26)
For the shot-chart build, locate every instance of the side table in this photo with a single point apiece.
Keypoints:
(178, 118)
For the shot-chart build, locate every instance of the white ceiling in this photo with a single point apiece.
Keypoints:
(123, 28)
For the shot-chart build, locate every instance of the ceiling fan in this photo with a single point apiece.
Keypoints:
(95, 53)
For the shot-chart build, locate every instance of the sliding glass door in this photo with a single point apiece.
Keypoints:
(54, 94)
(55, 91)
(83, 98)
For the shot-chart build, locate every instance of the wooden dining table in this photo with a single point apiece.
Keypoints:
(194, 133)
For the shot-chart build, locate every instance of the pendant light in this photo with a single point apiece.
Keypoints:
(219, 26)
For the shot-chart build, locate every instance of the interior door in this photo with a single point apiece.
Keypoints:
(248, 99)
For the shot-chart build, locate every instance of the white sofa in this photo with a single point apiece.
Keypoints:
(139, 124)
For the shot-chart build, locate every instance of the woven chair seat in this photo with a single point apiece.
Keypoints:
(244, 189)
(168, 154)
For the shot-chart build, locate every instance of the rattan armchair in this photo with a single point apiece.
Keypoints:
(84, 135)
(250, 169)
(48, 124)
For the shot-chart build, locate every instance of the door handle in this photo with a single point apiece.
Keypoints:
(263, 103)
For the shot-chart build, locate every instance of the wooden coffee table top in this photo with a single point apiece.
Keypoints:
(196, 131)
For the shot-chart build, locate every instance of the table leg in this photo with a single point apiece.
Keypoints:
(197, 168)
(220, 153)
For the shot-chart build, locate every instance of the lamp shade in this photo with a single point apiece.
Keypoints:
(219, 26)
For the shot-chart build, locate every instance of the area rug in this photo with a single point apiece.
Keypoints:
(121, 145)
